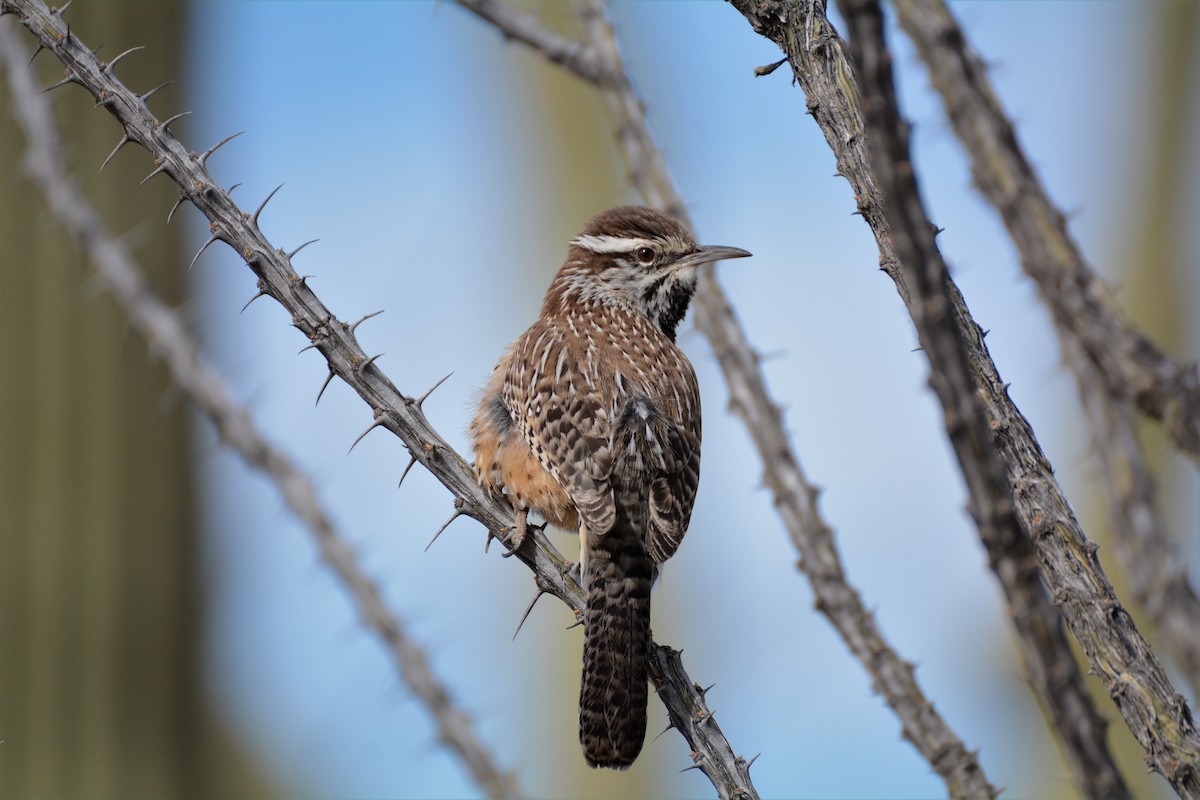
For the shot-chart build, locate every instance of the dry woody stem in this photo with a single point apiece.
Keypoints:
(795, 498)
(991, 503)
(1109, 356)
(1154, 711)
(1156, 571)
(169, 341)
(813, 48)
(1129, 365)
(335, 340)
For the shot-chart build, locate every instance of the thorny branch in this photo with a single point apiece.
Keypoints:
(169, 341)
(336, 341)
(1157, 715)
(1157, 574)
(991, 501)
(1130, 366)
(1094, 333)
(794, 496)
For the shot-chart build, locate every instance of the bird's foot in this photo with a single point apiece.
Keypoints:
(521, 531)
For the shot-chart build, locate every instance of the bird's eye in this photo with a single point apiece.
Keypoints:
(645, 254)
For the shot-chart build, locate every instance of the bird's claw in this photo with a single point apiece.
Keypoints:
(521, 531)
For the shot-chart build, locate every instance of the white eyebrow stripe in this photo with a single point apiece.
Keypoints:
(605, 243)
(612, 244)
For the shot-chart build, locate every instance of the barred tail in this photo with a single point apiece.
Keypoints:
(616, 641)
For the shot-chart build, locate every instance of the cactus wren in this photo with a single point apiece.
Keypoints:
(592, 418)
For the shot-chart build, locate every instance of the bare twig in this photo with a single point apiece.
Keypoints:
(170, 342)
(1157, 573)
(527, 29)
(1156, 714)
(1130, 366)
(1112, 360)
(963, 412)
(334, 339)
(794, 496)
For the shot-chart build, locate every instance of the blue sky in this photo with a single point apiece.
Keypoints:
(403, 132)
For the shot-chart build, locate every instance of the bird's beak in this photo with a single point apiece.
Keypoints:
(703, 255)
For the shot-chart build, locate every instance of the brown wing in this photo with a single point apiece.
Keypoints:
(672, 496)
(656, 451)
(564, 418)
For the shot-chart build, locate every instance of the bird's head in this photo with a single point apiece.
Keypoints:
(641, 259)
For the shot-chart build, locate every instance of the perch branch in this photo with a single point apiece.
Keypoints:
(345, 357)
(169, 341)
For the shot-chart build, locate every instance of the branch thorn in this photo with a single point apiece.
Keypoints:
(162, 126)
(124, 141)
(261, 291)
(419, 402)
(254, 218)
(203, 157)
(178, 203)
(412, 460)
(324, 386)
(109, 66)
(162, 166)
(363, 318)
(147, 95)
(203, 247)
(374, 424)
(525, 616)
(63, 82)
(363, 366)
(458, 512)
(301, 247)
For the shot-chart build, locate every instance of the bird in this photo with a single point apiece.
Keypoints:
(592, 419)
